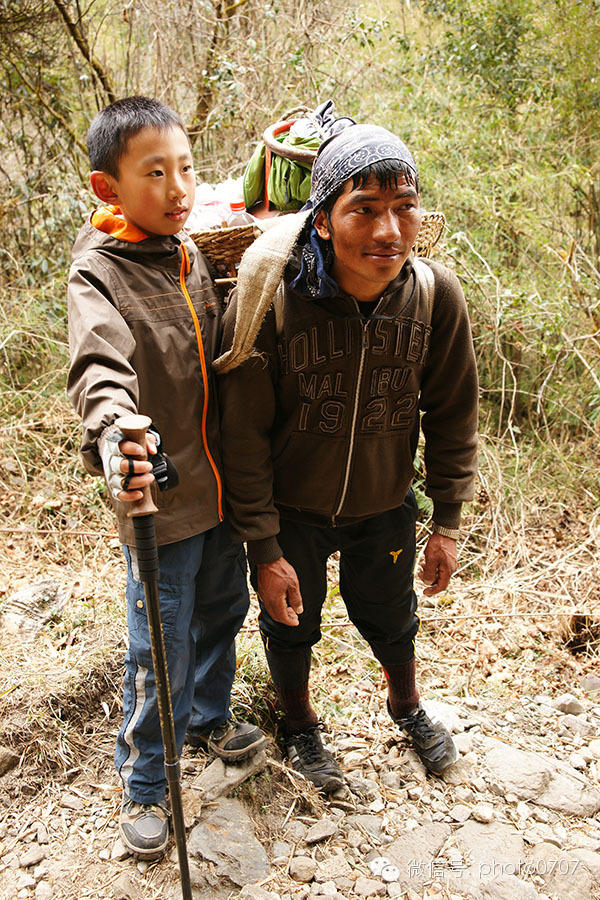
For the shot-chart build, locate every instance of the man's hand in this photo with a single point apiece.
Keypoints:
(279, 590)
(439, 563)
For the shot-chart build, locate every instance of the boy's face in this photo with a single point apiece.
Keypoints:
(156, 184)
(372, 230)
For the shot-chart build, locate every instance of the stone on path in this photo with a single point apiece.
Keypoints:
(546, 782)
(302, 868)
(334, 867)
(567, 703)
(368, 887)
(490, 852)
(218, 778)
(483, 812)
(27, 610)
(320, 831)
(590, 683)
(415, 851)
(562, 875)
(588, 858)
(508, 887)
(225, 836)
(256, 892)
(32, 857)
(444, 713)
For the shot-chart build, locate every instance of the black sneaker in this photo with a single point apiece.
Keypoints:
(231, 741)
(144, 828)
(431, 740)
(308, 756)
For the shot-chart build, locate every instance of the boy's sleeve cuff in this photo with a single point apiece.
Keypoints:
(446, 514)
(266, 550)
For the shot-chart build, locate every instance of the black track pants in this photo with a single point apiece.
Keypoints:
(377, 558)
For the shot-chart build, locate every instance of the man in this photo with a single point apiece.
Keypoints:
(361, 346)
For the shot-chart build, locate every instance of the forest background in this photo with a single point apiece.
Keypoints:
(500, 102)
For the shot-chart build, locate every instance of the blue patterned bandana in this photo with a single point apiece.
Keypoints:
(339, 158)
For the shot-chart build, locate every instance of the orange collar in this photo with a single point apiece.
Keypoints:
(109, 219)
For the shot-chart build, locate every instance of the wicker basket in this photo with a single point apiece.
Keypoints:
(224, 247)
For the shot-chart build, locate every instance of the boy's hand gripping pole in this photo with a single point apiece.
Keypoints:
(142, 511)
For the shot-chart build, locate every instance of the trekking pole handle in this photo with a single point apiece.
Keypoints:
(134, 428)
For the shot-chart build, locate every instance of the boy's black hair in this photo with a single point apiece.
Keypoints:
(385, 172)
(114, 125)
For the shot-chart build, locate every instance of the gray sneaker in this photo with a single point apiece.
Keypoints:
(308, 756)
(431, 740)
(144, 828)
(231, 741)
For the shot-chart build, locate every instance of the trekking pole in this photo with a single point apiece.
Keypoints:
(142, 511)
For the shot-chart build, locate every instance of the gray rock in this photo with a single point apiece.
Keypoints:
(32, 857)
(588, 858)
(26, 611)
(295, 831)
(256, 892)
(463, 742)
(567, 703)
(8, 760)
(508, 887)
(219, 779)
(72, 802)
(483, 812)
(459, 812)
(335, 867)
(494, 850)
(590, 683)
(561, 875)
(546, 782)
(280, 849)
(594, 748)
(364, 822)
(571, 724)
(225, 836)
(320, 831)
(119, 851)
(42, 833)
(368, 887)
(43, 891)
(444, 713)
(302, 868)
(414, 852)
(461, 772)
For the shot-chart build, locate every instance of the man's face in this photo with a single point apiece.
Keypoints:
(156, 184)
(372, 230)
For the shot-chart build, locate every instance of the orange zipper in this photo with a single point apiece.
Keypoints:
(185, 270)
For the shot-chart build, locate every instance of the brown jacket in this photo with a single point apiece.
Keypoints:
(322, 426)
(144, 325)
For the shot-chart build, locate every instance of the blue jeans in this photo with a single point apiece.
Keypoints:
(203, 601)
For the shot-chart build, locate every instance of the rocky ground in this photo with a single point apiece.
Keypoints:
(501, 661)
(518, 816)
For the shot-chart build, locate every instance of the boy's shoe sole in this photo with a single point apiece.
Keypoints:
(231, 741)
(144, 828)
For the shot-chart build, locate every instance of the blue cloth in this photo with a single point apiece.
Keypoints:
(204, 600)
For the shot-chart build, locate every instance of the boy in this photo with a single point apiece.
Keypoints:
(144, 323)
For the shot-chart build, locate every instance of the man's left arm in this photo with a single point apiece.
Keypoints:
(449, 402)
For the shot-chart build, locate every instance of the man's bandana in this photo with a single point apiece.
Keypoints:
(346, 153)
(339, 158)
